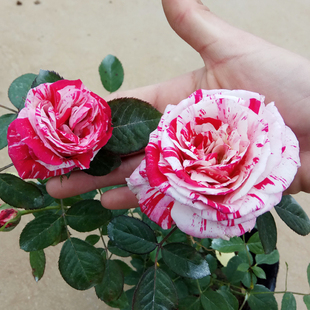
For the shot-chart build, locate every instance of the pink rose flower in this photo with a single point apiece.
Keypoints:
(217, 161)
(62, 126)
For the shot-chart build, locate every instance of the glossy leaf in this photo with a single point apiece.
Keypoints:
(211, 300)
(293, 215)
(132, 235)
(41, 232)
(5, 121)
(288, 302)
(111, 286)
(19, 88)
(103, 163)
(231, 271)
(234, 244)
(230, 299)
(46, 76)
(155, 291)
(259, 272)
(243, 267)
(92, 239)
(306, 300)
(185, 261)
(259, 301)
(268, 259)
(212, 262)
(81, 264)
(255, 245)
(37, 263)
(267, 229)
(133, 120)
(190, 303)
(13, 189)
(114, 249)
(87, 215)
(120, 303)
(111, 73)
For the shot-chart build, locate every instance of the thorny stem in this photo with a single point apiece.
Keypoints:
(4, 107)
(6, 167)
(63, 215)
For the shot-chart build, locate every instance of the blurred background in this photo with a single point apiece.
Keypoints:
(71, 37)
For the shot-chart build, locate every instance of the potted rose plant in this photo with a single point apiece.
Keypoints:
(214, 166)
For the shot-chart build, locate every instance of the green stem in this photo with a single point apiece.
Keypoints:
(4, 107)
(6, 167)
(104, 244)
(286, 274)
(39, 210)
(244, 301)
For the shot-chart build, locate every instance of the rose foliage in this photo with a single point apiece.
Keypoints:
(215, 164)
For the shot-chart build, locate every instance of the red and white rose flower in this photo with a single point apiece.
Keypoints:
(62, 126)
(217, 161)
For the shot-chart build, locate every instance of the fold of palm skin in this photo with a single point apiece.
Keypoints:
(233, 59)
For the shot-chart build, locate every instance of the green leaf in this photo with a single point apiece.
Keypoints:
(41, 232)
(132, 235)
(111, 286)
(234, 244)
(195, 287)
(13, 189)
(185, 261)
(288, 302)
(80, 264)
(126, 270)
(212, 262)
(114, 249)
(5, 121)
(211, 300)
(307, 301)
(293, 215)
(120, 303)
(133, 120)
(190, 303)
(92, 239)
(255, 245)
(243, 267)
(111, 73)
(46, 76)
(267, 231)
(230, 299)
(89, 195)
(103, 163)
(308, 273)
(268, 259)
(19, 88)
(258, 301)
(155, 291)
(37, 263)
(249, 279)
(259, 272)
(87, 215)
(231, 271)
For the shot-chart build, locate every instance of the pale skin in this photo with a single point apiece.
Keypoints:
(233, 59)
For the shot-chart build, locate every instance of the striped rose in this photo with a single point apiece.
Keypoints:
(217, 161)
(62, 126)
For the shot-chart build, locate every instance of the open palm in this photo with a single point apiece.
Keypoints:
(233, 59)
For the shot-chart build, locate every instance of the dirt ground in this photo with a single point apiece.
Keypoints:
(72, 37)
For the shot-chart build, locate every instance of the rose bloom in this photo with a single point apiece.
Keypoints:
(62, 126)
(217, 161)
(7, 213)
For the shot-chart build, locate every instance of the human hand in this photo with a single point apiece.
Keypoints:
(233, 59)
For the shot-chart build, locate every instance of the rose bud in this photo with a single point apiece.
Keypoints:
(9, 214)
(217, 161)
(62, 126)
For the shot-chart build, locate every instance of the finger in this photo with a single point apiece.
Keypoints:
(119, 198)
(80, 182)
(168, 92)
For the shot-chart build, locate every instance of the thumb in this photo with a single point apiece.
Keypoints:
(203, 30)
